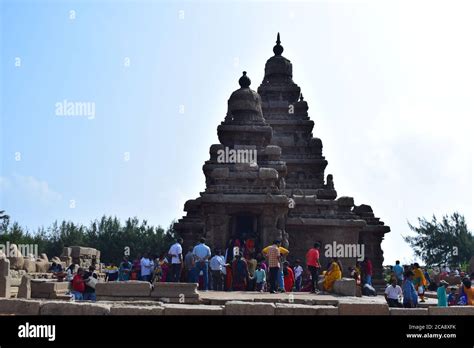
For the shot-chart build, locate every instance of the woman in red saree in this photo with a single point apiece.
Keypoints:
(240, 272)
(289, 277)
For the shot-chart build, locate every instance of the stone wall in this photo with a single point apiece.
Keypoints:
(48, 307)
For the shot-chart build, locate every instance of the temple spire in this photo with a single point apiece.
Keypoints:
(244, 81)
(278, 49)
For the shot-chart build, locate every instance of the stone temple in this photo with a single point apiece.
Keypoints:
(282, 192)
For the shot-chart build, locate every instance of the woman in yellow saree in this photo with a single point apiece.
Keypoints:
(334, 273)
(419, 281)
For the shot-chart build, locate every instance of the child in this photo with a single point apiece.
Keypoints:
(452, 297)
(298, 274)
(260, 278)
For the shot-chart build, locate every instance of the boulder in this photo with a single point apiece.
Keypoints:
(17, 261)
(345, 286)
(29, 265)
(249, 308)
(24, 290)
(5, 279)
(42, 266)
(73, 308)
(453, 310)
(363, 309)
(183, 309)
(136, 310)
(19, 306)
(131, 288)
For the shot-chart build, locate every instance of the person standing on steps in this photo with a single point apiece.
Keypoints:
(176, 254)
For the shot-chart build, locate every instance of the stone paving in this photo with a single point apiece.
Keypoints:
(220, 297)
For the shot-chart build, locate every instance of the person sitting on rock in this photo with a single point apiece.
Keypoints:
(452, 296)
(393, 292)
(78, 285)
(466, 293)
(334, 273)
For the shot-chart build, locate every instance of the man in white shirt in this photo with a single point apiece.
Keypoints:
(393, 292)
(202, 253)
(146, 266)
(217, 264)
(176, 253)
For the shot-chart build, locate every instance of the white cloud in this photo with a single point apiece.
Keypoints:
(28, 188)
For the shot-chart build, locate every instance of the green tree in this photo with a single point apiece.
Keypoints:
(106, 234)
(442, 242)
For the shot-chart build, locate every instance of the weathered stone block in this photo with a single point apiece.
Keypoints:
(45, 288)
(295, 309)
(133, 288)
(73, 308)
(453, 310)
(267, 174)
(408, 311)
(66, 252)
(220, 173)
(29, 265)
(363, 309)
(24, 290)
(78, 251)
(18, 260)
(345, 286)
(326, 310)
(19, 306)
(175, 290)
(136, 310)
(182, 309)
(5, 279)
(249, 308)
(272, 150)
(42, 266)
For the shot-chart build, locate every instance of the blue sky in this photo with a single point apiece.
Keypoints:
(389, 86)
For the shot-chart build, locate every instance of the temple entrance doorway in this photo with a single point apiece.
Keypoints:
(245, 233)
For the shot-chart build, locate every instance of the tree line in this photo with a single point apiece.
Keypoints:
(107, 234)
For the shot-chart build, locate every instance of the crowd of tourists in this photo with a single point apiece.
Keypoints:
(238, 268)
(409, 283)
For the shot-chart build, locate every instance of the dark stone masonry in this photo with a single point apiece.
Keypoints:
(284, 194)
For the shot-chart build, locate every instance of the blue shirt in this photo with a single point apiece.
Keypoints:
(409, 292)
(260, 276)
(398, 270)
(202, 252)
